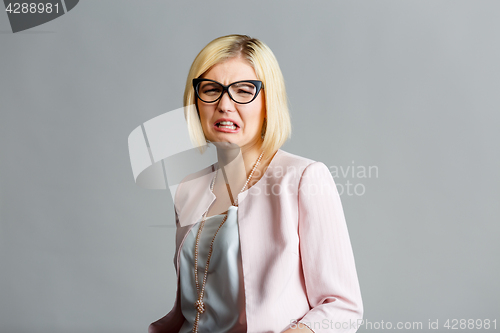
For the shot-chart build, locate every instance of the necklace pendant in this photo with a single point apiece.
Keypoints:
(200, 307)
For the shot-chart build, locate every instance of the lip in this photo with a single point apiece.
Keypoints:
(226, 130)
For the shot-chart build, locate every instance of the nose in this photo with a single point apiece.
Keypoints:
(225, 103)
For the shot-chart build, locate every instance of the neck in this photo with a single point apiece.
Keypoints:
(231, 156)
(251, 154)
(227, 154)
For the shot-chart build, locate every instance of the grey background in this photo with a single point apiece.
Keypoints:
(411, 87)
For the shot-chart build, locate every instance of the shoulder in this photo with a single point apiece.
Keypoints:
(193, 184)
(306, 171)
(292, 169)
(295, 163)
(284, 158)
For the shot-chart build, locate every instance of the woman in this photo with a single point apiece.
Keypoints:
(264, 229)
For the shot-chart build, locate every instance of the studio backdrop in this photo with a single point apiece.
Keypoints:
(398, 98)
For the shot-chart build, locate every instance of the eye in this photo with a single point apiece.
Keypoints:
(243, 88)
(211, 89)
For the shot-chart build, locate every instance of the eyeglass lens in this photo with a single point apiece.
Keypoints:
(240, 92)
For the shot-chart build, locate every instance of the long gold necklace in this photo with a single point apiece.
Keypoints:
(199, 305)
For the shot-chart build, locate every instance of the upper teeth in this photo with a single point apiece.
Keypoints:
(227, 123)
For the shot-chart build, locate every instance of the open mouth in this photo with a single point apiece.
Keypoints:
(227, 125)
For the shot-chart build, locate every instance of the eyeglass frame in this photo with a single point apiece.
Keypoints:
(258, 86)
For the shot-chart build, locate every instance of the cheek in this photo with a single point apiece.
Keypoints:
(256, 119)
(204, 114)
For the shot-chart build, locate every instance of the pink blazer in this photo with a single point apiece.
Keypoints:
(298, 264)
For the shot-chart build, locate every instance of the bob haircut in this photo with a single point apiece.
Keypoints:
(277, 126)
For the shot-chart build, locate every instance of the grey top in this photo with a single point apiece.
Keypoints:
(224, 296)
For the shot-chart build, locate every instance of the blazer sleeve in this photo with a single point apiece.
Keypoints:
(326, 254)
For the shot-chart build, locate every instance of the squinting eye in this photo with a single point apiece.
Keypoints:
(211, 91)
(243, 89)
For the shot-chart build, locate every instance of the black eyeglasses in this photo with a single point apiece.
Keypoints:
(242, 92)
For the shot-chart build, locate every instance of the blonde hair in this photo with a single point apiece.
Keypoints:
(277, 126)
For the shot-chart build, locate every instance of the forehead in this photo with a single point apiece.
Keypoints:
(231, 70)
